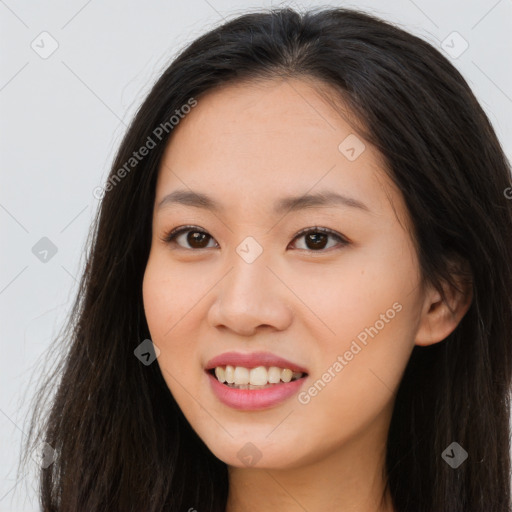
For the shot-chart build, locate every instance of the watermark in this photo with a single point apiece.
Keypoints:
(304, 397)
(454, 45)
(44, 455)
(145, 149)
(44, 249)
(44, 45)
(249, 454)
(351, 147)
(454, 455)
(146, 352)
(249, 249)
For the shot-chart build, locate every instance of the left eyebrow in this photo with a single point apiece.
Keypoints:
(323, 198)
(285, 204)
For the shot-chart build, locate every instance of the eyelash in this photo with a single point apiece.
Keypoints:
(170, 237)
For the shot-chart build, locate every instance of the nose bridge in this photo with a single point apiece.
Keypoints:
(249, 277)
(250, 295)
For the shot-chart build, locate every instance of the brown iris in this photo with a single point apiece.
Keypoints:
(197, 239)
(318, 240)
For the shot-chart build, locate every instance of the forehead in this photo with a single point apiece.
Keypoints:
(269, 138)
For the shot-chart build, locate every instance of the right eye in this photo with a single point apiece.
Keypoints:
(192, 235)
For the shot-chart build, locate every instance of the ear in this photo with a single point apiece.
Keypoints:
(439, 317)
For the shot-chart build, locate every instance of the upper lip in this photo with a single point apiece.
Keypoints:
(252, 360)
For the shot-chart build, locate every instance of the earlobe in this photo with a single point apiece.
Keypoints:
(440, 317)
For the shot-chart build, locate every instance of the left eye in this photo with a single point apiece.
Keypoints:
(315, 239)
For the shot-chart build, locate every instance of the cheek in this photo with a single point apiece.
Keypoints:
(169, 300)
(357, 370)
(362, 291)
(170, 293)
(168, 305)
(369, 313)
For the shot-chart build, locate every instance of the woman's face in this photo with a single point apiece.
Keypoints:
(342, 307)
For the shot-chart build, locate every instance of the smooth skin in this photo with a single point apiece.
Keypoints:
(247, 145)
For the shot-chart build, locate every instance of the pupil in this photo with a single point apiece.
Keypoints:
(318, 239)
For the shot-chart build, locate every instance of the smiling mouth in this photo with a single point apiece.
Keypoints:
(261, 377)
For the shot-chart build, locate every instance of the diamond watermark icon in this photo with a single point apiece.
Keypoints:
(454, 45)
(454, 455)
(249, 454)
(44, 249)
(351, 147)
(147, 352)
(44, 455)
(44, 45)
(249, 249)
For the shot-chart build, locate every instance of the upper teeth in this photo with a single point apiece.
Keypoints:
(259, 376)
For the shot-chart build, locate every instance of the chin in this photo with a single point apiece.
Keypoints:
(256, 452)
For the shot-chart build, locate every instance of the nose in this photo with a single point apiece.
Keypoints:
(250, 298)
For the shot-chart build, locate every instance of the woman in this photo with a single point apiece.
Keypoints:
(298, 294)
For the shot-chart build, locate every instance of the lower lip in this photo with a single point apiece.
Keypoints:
(254, 399)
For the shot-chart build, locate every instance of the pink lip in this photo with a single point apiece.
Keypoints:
(252, 361)
(254, 399)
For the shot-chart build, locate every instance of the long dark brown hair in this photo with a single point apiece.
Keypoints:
(120, 440)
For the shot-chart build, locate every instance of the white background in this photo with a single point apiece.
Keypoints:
(62, 118)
